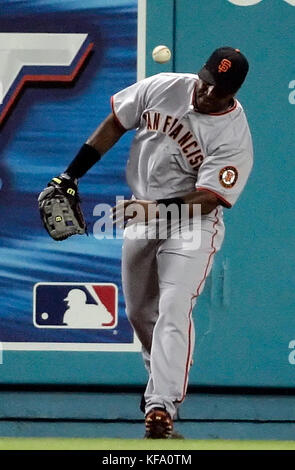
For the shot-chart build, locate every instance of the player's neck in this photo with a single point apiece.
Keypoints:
(229, 106)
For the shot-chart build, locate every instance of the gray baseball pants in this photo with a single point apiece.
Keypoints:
(162, 279)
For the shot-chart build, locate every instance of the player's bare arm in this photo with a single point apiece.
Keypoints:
(208, 201)
(127, 210)
(106, 135)
(102, 139)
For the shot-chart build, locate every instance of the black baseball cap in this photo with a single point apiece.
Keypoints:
(227, 68)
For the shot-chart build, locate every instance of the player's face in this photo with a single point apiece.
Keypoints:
(210, 98)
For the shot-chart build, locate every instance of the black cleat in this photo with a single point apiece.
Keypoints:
(158, 424)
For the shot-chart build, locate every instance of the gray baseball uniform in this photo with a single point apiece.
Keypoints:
(175, 150)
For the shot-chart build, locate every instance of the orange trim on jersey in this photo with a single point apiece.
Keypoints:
(227, 111)
(188, 360)
(115, 115)
(227, 204)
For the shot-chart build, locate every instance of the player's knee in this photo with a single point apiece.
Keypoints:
(175, 303)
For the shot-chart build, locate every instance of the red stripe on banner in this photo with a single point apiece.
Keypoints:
(44, 78)
(107, 295)
(187, 366)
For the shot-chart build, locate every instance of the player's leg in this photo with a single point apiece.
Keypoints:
(182, 273)
(141, 288)
(141, 293)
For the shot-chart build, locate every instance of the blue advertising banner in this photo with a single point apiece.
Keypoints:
(60, 64)
(61, 61)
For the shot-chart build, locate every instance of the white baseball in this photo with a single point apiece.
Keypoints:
(161, 54)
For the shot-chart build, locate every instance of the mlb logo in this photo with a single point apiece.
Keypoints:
(75, 306)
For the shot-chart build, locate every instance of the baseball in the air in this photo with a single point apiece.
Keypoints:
(161, 54)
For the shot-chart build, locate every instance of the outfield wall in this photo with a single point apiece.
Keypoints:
(245, 318)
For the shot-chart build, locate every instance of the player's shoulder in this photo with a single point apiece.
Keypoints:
(239, 116)
(236, 116)
(230, 129)
(237, 128)
(173, 77)
(165, 79)
(170, 83)
(239, 107)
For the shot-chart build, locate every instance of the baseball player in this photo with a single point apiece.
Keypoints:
(192, 147)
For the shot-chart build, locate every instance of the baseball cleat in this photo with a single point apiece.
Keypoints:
(158, 424)
(174, 435)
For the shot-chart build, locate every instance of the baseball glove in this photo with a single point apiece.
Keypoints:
(60, 210)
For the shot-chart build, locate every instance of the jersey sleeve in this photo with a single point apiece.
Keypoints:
(225, 173)
(129, 103)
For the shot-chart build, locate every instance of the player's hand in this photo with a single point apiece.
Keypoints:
(60, 210)
(134, 211)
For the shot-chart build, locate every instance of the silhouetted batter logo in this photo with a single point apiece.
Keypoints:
(83, 306)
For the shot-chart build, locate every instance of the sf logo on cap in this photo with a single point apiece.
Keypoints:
(224, 65)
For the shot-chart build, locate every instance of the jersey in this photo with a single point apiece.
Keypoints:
(176, 149)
